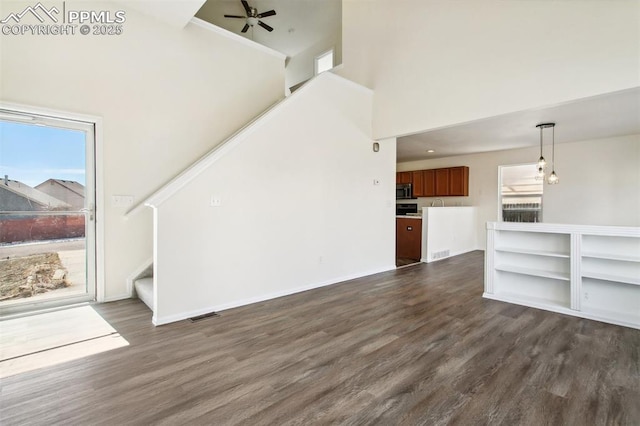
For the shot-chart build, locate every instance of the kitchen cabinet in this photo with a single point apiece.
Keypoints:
(409, 238)
(442, 182)
(417, 182)
(403, 177)
(586, 271)
(459, 181)
(429, 183)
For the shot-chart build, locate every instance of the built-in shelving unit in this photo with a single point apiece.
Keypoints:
(587, 271)
(610, 285)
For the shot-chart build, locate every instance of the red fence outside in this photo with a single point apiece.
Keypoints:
(37, 228)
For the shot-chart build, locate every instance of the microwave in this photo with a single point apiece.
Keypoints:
(403, 191)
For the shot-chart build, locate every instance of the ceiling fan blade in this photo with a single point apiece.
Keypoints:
(267, 13)
(265, 26)
(246, 7)
(246, 27)
(235, 16)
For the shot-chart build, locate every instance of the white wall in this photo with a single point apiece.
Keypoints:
(434, 63)
(599, 182)
(173, 12)
(299, 208)
(450, 228)
(166, 97)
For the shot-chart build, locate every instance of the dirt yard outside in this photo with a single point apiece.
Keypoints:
(27, 276)
(42, 270)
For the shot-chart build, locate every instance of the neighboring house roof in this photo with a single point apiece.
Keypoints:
(33, 194)
(71, 185)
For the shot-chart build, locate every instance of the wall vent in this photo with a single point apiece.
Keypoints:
(439, 254)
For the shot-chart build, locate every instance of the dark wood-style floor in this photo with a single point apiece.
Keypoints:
(413, 346)
(404, 261)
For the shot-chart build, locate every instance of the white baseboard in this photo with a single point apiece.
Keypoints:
(116, 298)
(457, 253)
(561, 310)
(161, 320)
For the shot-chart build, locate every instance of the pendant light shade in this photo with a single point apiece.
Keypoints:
(542, 163)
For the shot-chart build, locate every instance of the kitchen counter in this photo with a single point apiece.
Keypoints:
(400, 216)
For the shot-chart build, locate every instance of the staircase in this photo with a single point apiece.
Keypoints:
(332, 119)
(144, 290)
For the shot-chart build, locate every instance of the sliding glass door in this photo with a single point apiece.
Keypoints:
(47, 212)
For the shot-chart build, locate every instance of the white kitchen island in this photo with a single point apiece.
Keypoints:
(448, 231)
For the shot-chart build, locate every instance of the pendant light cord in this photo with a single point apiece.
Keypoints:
(540, 141)
(553, 148)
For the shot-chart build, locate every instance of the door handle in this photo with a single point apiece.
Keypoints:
(91, 210)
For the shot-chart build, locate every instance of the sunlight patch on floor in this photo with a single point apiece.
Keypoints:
(52, 338)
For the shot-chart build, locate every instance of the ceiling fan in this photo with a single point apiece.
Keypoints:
(253, 17)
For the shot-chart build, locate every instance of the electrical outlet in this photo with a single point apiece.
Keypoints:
(376, 181)
(586, 296)
(215, 201)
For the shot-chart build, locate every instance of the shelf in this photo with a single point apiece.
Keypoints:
(533, 252)
(610, 256)
(611, 277)
(563, 276)
(586, 271)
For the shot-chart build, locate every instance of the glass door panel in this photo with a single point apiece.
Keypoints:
(47, 200)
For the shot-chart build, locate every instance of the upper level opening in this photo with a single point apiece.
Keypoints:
(324, 62)
(302, 31)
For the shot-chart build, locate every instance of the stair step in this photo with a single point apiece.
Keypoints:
(144, 290)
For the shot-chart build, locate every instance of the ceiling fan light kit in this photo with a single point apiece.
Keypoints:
(253, 18)
(553, 177)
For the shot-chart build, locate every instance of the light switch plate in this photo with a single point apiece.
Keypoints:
(122, 200)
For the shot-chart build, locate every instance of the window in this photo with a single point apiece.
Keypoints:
(324, 62)
(520, 197)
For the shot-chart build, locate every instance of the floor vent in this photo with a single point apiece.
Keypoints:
(203, 317)
(440, 254)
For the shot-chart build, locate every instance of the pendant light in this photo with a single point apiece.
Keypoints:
(542, 163)
(553, 177)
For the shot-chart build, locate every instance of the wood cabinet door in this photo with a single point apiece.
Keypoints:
(442, 182)
(417, 183)
(429, 183)
(403, 177)
(408, 238)
(459, 181)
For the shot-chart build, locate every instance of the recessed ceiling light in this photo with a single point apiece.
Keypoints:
(430, 151)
